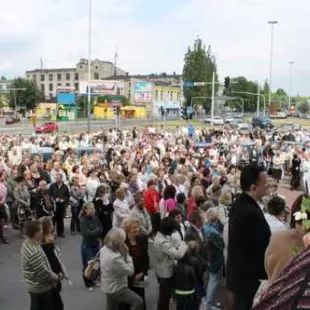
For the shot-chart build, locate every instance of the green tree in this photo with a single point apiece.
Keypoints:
(199, 66)
(303, 107)
(28, 98)
(241, 84)
(3, 78)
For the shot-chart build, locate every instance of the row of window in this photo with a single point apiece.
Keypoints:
(168, 95)
(51, 86)
(58, 77)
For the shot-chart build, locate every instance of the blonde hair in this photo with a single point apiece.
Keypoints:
(85, 206)
(114, 238)
(47, 224)
(197, 191)
(128, 222)
(120, 192)
(212, 215)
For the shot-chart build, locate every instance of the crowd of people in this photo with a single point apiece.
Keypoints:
(205, 201)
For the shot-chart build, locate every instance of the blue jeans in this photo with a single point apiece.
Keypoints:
(88, 253)
(213, 284)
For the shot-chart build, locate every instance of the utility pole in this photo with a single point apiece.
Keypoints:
(258, 100)
(213, 98)
(89, 68)
(291, 63)
(272, 23)
(14, 95)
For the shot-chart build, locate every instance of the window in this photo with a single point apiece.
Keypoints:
(67, 84)
(96, 68)
(59, 84)
(42, 89)
(161, 96)
(171, 96)
(76, 86)
(59, 77)
(50, 77)
(34, 77)
(81, 67)
(76, 76)
(50, 87)
(96, 76)
(51, 95)
(156, 95)
(42, 77)
(68, 76)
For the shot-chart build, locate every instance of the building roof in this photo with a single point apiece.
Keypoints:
(50, 70)
(151, 77)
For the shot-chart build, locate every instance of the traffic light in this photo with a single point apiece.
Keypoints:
(183, 112)
(116, 110)
(227, 82)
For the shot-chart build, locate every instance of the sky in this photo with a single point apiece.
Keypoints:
(152, 36)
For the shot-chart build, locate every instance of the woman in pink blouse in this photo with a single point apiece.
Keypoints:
(3, 195)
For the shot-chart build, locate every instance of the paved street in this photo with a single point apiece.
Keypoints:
(13, 294)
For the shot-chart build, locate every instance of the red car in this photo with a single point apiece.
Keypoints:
(47, 127)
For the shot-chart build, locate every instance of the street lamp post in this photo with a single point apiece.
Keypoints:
(89, 68)
(272, 23)
(291, 63)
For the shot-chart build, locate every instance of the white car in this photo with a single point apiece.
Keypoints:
(218, 121)
(243, 126)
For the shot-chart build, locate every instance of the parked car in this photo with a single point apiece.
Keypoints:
(244, 127)
(288, 127)
(262, 122)
(218, 121)
(47, 127)
(11, 120)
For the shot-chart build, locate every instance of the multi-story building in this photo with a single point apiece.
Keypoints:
(48, 80)
(5, 86)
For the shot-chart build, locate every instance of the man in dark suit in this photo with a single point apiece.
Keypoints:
(248, 238)
(195, 233)
(60, 194)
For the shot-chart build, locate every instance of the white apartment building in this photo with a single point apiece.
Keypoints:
(48, 80)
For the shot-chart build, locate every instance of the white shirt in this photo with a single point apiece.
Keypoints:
(121, 210)
(274, 223)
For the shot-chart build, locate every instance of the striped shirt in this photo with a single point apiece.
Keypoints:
(36, 268)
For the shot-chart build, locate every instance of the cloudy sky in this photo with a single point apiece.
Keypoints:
(152, 36)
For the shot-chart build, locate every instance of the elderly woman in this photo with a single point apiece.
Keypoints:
(121, 208)
(276, 214)
(165, 255)
(22, 201)
(141, 214)
(92, 184)
(137, 244)
(216, 254)
(116, 266)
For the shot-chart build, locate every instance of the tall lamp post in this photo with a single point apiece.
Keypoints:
(272, 23)
(291, 63)
(89, 67)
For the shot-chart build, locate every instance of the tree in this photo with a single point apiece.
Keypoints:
(303, 107)
(26, 99)
(3, 78)
(199, 66)
(241, 84)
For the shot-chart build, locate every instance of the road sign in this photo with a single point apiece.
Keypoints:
(188, 84)
(199, 84)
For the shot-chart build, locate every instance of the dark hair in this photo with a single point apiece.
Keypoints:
(200, 200)
(168, 225)
(175, 213)
(181, 198)
(150, 183)
(206, 172)
(182, 161)
(195, 216)
(250, 176)
(75, 168)
(276, 205)
(32, 227)
(169, 192)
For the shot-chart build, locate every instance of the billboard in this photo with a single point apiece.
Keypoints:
(100, 87)
(143, 92)
(66, 98)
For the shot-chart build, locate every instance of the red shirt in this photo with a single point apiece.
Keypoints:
(151, 200)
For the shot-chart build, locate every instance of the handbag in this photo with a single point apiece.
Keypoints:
(92, 270)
